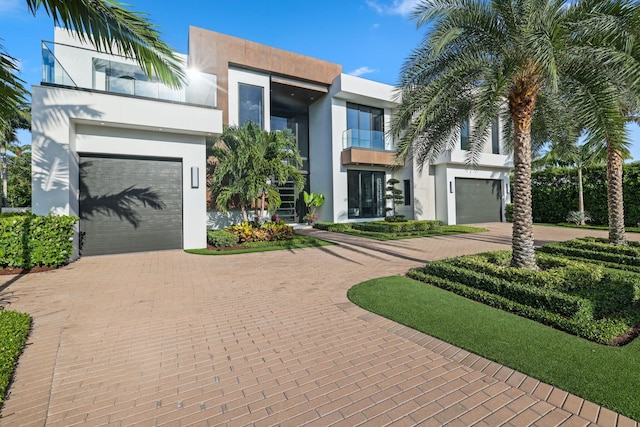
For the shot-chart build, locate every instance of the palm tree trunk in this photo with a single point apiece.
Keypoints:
(615, 201)
(521, 108)
(580, 195)
(3, 153)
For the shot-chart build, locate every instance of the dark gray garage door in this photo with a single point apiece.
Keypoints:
(129, 204)
(478, 200)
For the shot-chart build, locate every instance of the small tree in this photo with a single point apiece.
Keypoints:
(395, 195)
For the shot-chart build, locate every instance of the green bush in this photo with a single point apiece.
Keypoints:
(221, 238)
(602, 330)
(595, 250)
(397, 227)
(395, 218)
(269, 231)
(508, 212)
(28, 241)
(12, 214)
(557, 187)
(14, 328)
(331, 226)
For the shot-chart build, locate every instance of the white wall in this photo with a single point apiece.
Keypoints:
(262, 80)
(67, 121)
(321, 155)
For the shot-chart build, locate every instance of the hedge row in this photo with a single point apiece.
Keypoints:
(14, 328)
(397, 227)
(592, 251)
(603, 330)
(28, 241)
(545, 299)
(555, 193)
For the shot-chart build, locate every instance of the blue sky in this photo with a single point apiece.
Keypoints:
(370, 38)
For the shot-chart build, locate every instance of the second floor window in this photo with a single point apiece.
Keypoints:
(365, 126)
(464, 135)
(250, 104)
(495, 136)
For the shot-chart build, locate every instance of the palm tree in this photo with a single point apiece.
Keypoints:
(250, 164)
(19, 119)
(111, 28)
(575, 156)
(484, 59)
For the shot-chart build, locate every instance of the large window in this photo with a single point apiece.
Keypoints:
(464, 135)
(251, 104)
(495, 136)
(365, 126)
(366, 194)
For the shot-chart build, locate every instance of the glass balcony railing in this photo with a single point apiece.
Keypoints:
(369, 139)
(87, 69)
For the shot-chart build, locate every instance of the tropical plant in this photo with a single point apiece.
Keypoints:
(110, 27)
(514, 59)
(312, 201)
(578, 217)
(250, 164)
(395, 195)
(577, 156)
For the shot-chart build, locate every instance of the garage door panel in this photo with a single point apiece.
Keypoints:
(130, 204)
(478, 200)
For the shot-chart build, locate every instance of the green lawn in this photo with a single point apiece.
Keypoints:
(443, 230)
(608, 376)
(14, 328)
(298, 242)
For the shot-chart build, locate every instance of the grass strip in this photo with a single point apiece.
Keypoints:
(602, 374)
(444, 230)
(14, 328)
(298, 242)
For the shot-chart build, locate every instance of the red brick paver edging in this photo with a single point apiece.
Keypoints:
(168, 338)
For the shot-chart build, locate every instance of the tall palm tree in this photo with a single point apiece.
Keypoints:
(489, 58)
(110, 27)
(250, 165)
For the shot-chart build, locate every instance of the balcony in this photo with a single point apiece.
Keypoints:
(76, 67)
(367, 147)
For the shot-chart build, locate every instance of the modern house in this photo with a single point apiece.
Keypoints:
(127, 154)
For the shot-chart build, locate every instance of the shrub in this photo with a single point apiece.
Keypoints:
(395, 218)
(397, 227)
(578, 217)
(331, 226)
(221, 238)
(28, 241)
(14, 328)
(508, 212)
(269, 231)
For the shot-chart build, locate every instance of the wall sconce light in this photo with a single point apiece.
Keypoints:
(195, 177)
(450, 186)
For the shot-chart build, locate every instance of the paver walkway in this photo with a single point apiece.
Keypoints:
(168, 338)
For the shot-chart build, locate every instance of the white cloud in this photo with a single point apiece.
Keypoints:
(361, 71)
(10, 6)
(397, 7)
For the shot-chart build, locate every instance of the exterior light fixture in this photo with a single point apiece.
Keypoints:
(195, 180)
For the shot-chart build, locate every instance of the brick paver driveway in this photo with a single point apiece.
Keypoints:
(168, 338)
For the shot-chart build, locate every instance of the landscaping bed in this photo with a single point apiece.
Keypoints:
(606, 375)
(583, 299)
(386, 230)
(296, 242)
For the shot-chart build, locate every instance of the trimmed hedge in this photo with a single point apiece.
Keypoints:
(557, 188)
(597, 250)
(580, 298)
(14, 328)
(28, 241)
(602, 331)
(397, 227)
(221, 238)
